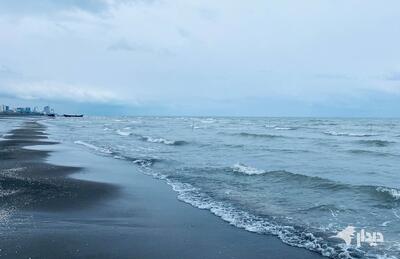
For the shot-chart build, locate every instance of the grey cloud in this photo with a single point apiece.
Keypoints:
(50, 90)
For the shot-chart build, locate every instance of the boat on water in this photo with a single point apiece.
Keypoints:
(73, 115)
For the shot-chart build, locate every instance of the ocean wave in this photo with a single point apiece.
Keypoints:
(285, 128)
(144, 162)
(93, 147)
(324, 207)
(315, 182)
(7, 193)
(376, 142)
(208, 121)
(348, 134)
(163, 141)
(247, 170)
(254, 135)
(5, 215)
(393, 193)
(233, 145)
(291, 235)
(370, 152)
(12, 170)
(123, 133)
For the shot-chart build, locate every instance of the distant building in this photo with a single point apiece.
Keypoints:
(47, 110)
(20, 110)
(4, 108)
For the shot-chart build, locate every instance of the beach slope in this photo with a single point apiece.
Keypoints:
(60, 201)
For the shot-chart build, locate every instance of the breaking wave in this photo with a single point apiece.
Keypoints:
(144, 162)
(93, 147)
(348, 134)
(291, 235)
(141, 161)
(253, 135)
(243, 169)
(285, 128)
(394, 193)
(163, 141)
(123, 133)
(315, 182)
(7, 193)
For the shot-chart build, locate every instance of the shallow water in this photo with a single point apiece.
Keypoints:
(7, 123)
(303, 179)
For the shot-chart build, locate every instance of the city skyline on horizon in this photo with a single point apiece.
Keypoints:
(10, 109)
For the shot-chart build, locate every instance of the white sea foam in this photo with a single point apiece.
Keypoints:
(5, 215)
(159, 140)
(5, 193)
(348, 134)
(252, 223)
(93, 147)
(13, 170)
(283, 128)
(384, 224)
(392, 192)
(208, 121)
(163, 141)
(123, 133)
(244, 169)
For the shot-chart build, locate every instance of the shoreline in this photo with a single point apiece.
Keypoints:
(140, 217)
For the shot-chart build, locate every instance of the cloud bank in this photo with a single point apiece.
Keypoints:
(53, 91)
(190, 54)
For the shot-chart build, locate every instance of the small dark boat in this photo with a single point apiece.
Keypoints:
(51, 115)
(73, 115)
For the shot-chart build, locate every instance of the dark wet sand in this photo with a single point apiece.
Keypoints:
(74, 204)
(39, 185)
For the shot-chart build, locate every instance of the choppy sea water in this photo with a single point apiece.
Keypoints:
(302, 179)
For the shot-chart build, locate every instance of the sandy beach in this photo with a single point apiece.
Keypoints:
(60, 201)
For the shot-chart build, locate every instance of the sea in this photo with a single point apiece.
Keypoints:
(311, 182)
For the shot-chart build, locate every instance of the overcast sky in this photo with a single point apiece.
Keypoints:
(202, 57)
